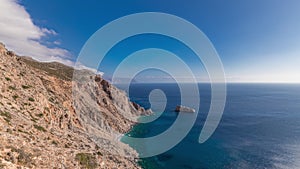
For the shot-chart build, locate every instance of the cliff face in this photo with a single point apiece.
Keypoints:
(46, 124)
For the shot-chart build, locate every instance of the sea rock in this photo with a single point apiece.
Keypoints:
(181, 108)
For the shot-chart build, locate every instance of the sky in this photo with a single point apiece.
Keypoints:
(257, 41)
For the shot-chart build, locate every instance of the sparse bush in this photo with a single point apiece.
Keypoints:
(21, 131)
(9, 131)
(11, 88)
(31, 99)
(7, 79)
(39, 115)
(86, 160)
(54, 142)
(47, 109)
(27, 104)
(6, 116)
(26, 87)
(51, 99)
(7, 119)
(15, 97)
(23, 157)
(40, 128)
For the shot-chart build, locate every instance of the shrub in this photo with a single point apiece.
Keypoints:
(7, 79)
(27, 104)
(21, 131)
(40, 128)
(11, 88)
(39, 115)
(54, 142)
(26, 87)
(6, 116)
(31, 99)
(15, 97)
(86, 160)
(23, 157)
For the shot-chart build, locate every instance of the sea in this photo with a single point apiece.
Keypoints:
(259, 129)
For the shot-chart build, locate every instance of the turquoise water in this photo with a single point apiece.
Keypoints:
(260, 128)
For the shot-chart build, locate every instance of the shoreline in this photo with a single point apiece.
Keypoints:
(144, 163)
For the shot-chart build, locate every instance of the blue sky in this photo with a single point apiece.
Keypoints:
(257, 41)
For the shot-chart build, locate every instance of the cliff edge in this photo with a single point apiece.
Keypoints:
(46, 124)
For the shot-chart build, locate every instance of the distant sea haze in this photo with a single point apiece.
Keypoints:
(259, 129)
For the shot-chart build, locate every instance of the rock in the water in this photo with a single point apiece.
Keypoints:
(184, 109)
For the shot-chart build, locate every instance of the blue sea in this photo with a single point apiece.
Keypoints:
(260, 128)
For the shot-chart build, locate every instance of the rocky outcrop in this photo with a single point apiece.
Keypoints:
(180, 108)
(46, 124)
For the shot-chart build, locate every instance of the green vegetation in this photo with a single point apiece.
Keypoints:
(27, 104)
(52, 68)
(86, 160)
(21, 131)
(51, 99)
(40, 128)
(11, 87)
(39, 115)
(7, 79)
(32, 118)
(6, 116)
(15, 97)
(21, 74)
(54, 142)
(47, 109)
(23, 157)
(9, 131)
(31, 99)
(26, 87)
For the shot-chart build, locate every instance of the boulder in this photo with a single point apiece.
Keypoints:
(180, 108)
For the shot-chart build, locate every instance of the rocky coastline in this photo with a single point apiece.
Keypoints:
(46, 124)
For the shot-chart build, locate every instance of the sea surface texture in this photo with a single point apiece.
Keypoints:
(260, 128)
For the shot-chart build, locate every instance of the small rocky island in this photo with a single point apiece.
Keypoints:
(181, 108)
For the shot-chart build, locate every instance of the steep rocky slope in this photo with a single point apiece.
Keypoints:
(46, 124)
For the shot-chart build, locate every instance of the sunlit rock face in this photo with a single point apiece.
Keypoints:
(43, 126)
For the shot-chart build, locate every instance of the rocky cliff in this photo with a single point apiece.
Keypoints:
(46, 124)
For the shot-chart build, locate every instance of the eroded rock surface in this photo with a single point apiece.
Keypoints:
(44, 124)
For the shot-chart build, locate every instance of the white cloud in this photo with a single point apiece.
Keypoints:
(80, 66)
(20, 34)
(57, 42)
